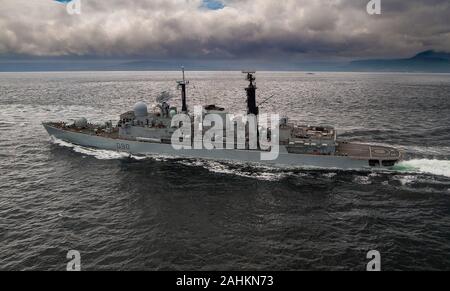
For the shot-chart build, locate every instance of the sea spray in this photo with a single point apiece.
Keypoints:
(435, 167)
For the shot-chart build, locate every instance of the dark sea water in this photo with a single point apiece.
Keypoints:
(160, 213)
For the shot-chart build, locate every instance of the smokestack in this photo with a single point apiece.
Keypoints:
(251, 94)
(182, 84)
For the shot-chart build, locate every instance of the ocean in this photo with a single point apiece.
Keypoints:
(163, 213)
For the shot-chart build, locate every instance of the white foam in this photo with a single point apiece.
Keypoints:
(362, 180)
(405, 180)
(96, 153)
(212, 166)
(434, 167)
(330, 175)
(226, 168)
(427, 150)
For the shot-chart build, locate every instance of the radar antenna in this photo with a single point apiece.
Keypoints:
(164, 96)
(250, 76)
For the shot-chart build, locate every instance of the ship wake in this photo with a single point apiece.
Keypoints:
(425, 166)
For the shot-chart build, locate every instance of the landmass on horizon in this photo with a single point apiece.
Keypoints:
(429, 61)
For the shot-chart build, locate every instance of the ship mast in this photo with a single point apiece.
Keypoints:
(251, 93)
(182, 85)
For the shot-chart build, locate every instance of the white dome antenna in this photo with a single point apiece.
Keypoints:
(140, 109)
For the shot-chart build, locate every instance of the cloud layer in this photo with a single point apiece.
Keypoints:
(242, 29)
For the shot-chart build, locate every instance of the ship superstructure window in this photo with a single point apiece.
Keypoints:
(374, 163)
(388, 163)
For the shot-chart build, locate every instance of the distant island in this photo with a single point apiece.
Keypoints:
(427, 61)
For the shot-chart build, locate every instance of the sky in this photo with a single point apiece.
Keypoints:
(223, 29)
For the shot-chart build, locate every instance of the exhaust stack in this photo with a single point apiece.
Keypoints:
(251, 93)
(182, 85)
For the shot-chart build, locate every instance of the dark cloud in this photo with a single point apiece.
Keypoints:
(240, 29)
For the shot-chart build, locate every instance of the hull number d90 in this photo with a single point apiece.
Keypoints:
(123, 147)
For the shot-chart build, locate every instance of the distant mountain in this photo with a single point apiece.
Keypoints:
(93, 64)
(427, 61)
(432, 55)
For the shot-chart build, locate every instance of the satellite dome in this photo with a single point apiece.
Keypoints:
(81, 122)
(140, 109)
(172, 113)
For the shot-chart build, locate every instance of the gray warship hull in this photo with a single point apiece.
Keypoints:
(244, 156)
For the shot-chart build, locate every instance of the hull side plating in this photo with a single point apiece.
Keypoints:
(146, 148)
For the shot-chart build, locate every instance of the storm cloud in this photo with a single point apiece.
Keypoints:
(236, 29)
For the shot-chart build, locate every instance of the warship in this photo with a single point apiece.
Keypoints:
(140, 132)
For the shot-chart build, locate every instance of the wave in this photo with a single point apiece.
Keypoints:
(96, 153)
(434, 167)
(254, 171)
(435, 151)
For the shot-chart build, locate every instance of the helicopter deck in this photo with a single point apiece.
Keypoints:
(370, 152)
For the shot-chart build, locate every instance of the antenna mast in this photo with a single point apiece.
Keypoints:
(182, 84)
(251, 93)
